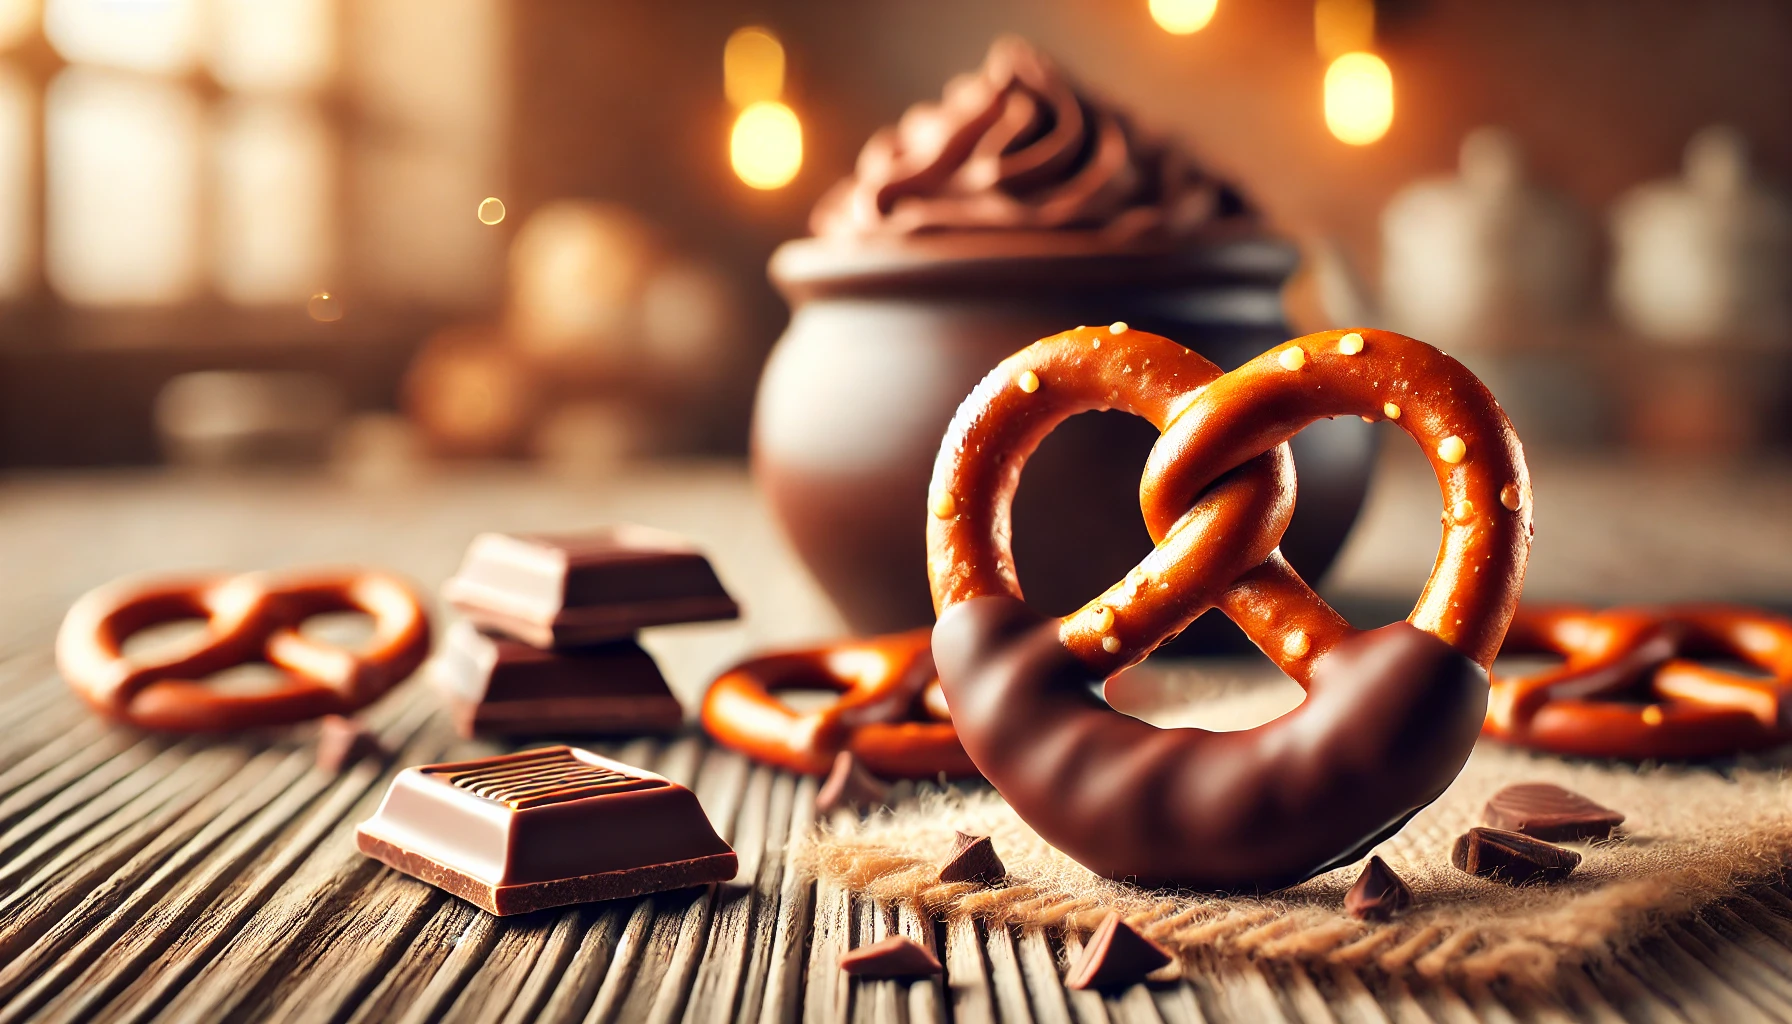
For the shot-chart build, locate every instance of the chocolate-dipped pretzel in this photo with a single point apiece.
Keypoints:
(248, 618)
(889, 714)
(1631, 684)
(1391, 714)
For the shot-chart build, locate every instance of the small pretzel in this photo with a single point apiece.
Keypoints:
(248, 618)
(1628, 686)
(890, 713)
(1391, 714)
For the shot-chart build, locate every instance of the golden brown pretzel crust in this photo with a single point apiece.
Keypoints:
(249, 618)
(1629, 686)
(1217, 537)
(887, 714)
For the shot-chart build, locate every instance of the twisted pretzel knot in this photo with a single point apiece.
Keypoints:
(1218, 489)
(249, 618)
(890, 713)
(1630, 685)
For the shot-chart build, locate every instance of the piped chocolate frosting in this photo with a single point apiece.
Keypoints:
(1018, 146)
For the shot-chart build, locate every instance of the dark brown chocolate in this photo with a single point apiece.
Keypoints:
(895, 957)
(1511, 857)
(501, 687)
(973, 859)
(544, 828)
(849, 785)
(1115, 956)
(342, 742)
(566, 590)
(1546, 811)
(1388, 722)
(1378, 894)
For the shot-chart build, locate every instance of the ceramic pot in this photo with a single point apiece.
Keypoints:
(885, 341)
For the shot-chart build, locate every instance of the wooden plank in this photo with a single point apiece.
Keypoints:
(967, 977)
(790, 932)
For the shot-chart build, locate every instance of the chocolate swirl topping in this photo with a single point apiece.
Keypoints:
(1016, 146)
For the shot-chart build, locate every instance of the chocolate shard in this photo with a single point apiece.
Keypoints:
(1512, 857)
(1378, 894)
(973, 859)
(501, 687)
(1116, 955)
(544, 828)
(1546, 811)
(895, 957)
(849, 785)
(567, 590)
(342, 742)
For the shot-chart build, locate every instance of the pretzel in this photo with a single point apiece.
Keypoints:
(1628, 686)
(890, 713)
(1391, 714)
(249, 618)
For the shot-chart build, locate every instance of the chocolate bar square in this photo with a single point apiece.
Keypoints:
(501, 687)
(544, 828)
(556, 591)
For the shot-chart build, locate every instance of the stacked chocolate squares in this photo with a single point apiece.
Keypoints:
(548, 642)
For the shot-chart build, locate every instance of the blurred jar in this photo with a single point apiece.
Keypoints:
(1498, 269)
(1702, 279)
(233, 418)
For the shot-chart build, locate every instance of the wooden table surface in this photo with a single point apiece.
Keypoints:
(146, 877)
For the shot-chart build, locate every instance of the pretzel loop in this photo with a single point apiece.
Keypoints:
(887, 714)
(1630, 686)
(248, 618)
(1379, 740)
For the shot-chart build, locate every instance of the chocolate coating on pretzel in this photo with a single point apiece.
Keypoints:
(1390, 716)
(884, 716)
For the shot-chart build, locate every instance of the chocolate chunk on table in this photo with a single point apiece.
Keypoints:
(1116, 955)
(544, 828)
(1378, 894)
(565, 590)
(341, 742)
(973, 859)
(895, 957)
(502, 687)
(1546, 811)
(1512, 857)
(849, 785)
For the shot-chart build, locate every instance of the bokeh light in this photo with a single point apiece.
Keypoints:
(1359, 98)
(752, 66)
(766, 146)
(325, 307)
(1181, 17)
(491, 210)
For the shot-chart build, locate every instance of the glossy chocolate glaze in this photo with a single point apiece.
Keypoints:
(1388, 722)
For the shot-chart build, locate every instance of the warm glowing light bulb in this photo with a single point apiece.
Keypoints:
(325, 307)
(752, 66)
(491, 210)
(1181, 17)
(766, 146)
(1359, 98)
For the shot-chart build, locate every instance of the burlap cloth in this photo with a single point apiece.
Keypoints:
(1694, 835)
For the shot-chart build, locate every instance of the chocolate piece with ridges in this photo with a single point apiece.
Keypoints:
(1546, 811)
(1116, 955)
(544, 828)
(342, 742)
(565, 590)
(1511, 857)
(1378, 894)
(501, 687)
(973, 859)
(895, 957)
(849, 785)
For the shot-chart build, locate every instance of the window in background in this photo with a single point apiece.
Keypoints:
(252, 151)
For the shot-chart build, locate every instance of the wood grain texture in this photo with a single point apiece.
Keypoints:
(149, 878)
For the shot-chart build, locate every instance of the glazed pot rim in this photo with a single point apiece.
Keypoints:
(982, 263)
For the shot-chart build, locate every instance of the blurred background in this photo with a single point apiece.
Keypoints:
(390, 231)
